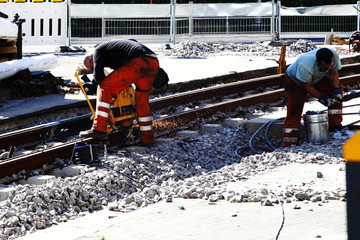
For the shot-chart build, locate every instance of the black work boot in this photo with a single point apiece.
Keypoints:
(94, 134)
(336, 128)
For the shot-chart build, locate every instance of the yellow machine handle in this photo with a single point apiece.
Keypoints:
(83, 90)
(125, 98)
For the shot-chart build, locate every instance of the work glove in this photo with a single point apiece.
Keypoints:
(326, 101)
(90, 88)
(336, 95)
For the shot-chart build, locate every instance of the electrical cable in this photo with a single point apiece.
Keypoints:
(267, 126)
(253, 147)
(283, 215)
(267, 131)
(244, 148)
(253, 137)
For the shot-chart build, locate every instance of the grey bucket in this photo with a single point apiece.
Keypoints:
(317, 127)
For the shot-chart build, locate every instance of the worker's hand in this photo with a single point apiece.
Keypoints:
(336, 95)
(85, 71)
(326, 101)
(90, 88)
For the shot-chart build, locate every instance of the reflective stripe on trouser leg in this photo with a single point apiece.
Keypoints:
(296, 97)
(334, 112)
(291, 136)
(335, 115)
(101, 119)
(146, 130)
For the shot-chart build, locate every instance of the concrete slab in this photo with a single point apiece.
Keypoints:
(184, 219)
(276, 129)
(187, 134)
(38, 180)
(210, 128)
(197, 219)
(6, 192)
(233, 122)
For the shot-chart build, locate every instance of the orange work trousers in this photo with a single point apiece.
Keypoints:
(140, 71)
(296, 97)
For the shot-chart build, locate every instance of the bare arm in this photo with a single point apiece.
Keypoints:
(334, 83)
(334, 76)
(310, 89)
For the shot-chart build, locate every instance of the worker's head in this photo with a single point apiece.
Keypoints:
(89, 61)
(324, 59)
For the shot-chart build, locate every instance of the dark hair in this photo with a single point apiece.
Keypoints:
(324, 55)
(161, 80)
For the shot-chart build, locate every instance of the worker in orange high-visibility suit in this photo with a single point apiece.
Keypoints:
(133, 63)
(316, 73)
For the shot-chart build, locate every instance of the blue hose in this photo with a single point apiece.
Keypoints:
(252, 147)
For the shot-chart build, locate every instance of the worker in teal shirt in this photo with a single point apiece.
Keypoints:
(314, 73)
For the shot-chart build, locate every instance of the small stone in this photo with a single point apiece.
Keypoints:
(297, 207)
(266, 202)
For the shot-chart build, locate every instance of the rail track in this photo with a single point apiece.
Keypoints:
(220, 98)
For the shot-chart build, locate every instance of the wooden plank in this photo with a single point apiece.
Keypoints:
(9, 49)
(7, 42)
(6, 45)
(2, 59)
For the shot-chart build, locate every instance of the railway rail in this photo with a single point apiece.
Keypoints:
(62, 129)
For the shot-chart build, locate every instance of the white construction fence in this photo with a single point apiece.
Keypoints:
(64, 23)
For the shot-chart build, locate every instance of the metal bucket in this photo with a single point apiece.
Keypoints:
(317, 127)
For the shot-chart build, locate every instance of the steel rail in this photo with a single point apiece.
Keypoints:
(43, 133)
(38, 159)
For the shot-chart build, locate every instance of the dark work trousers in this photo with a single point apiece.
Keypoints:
(140, 71)
(296, 97)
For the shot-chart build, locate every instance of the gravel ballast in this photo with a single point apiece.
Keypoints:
(205, 167)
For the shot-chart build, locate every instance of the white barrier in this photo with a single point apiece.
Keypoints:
(37, 63)
(7, 29)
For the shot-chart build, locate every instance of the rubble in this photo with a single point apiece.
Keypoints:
(136, 178)
(193, 49)
(32, 84)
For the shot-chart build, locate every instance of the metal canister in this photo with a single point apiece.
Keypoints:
(317, 127)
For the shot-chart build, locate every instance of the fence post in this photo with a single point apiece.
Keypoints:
(191, 20)
(172, 21)
(278, 19)
(103, 26)
(358, 16)
(68, 39)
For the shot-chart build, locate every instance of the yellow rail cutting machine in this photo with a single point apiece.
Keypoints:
(122, 111)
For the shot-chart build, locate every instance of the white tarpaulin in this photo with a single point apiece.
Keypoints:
(203, 10)
(119, 10)
(326, 10)
(8, 30)
(38, 63)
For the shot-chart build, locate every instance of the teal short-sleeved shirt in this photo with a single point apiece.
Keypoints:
(305, 68)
